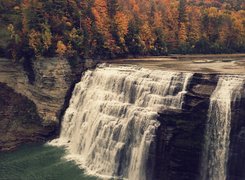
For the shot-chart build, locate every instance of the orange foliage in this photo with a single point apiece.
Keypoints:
(102, 26)
(194, 23)
(121, 21)
(170, 21)
(35, 41)
(61, 48)
(146, 36)
(100, 12)
(182, 33)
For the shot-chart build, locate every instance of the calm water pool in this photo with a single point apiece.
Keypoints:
(39, 162)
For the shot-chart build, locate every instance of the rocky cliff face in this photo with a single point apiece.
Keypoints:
(20, 121)
(180, 136)
(237, 140)
(34, 97)
(53, 78)
(180, 142)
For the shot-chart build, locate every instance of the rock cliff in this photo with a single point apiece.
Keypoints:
(37, 94)
(179, 138)
(20, 121)
(179, 142)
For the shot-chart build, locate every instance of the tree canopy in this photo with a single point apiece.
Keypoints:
(118, 28)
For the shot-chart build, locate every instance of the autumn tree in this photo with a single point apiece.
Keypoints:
(182, 27)
(103, 40)
(194, 25)
(170, 24)
(113, 28)
(133, 40)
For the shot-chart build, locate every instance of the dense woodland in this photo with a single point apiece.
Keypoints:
(118, 28)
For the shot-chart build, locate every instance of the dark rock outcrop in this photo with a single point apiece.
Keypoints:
(179, 141)
(236, 158)
(180, 137)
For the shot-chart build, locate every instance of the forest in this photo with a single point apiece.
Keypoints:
(119, 28)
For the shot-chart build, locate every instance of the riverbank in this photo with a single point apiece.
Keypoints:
(215, 64)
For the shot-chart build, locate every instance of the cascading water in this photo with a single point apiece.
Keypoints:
(217, 138)
(111, 119)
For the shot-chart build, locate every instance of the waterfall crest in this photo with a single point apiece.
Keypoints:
(217, 137)
(111, 120)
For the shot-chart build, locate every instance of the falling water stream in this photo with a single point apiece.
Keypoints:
(217, 138)
(111, 120)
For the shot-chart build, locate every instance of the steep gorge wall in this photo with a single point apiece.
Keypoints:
(20, 121)
(46, 96)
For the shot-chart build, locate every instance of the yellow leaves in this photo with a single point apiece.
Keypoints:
(134, 5)
(73, 33)
(145, 32)
(146, 36)
(194, 23)
(182, 33)
(170, 23)
(40, 41)
(100, 13)
(102, 25)
(213, 12)
(11, 30)
(157, 20)
(136, 8)
(238, 19)
(61, 48)
(46, 36)
(35, 41)
(47, 39)
(223, 34)
(238, 28)
(76, 37)
(121, 21)
(13, 35)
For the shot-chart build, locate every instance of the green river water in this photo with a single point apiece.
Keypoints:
(39, 162)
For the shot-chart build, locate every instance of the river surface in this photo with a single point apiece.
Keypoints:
(39, 162)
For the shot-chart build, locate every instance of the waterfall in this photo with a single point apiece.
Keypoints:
(217, 137)
(111, 120)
